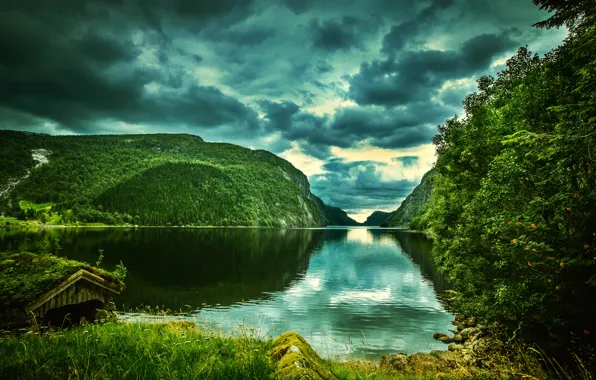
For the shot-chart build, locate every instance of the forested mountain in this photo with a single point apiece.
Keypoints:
(158, 179)
(513, 206)
(413, 205)
(377, 218)
(334, 216)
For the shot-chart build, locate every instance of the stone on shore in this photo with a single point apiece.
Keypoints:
(294, 358)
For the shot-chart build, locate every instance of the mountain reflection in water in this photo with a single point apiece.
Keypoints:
(356, 291)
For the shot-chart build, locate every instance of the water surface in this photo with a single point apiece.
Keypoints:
(353, 291)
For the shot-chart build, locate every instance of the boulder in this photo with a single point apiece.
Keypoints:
(442, 338)
(294, 358)
(420, 363)
(455, 347)
(450, 358)
(458, 338)
(469, 332)
(459, 325)
(396, 362)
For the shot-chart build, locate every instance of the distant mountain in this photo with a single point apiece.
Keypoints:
(334, 216)
(377, 218)
(412, 205)
(157, 179)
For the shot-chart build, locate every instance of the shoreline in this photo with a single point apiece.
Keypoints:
(182, 346)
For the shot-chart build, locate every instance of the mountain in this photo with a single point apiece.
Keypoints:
(334, 216)
(377, 218)
(412, 205)
(156, 179)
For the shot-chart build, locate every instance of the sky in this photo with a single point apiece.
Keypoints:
(350, 92)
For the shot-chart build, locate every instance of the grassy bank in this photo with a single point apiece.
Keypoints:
(133, 351)
(182, 350)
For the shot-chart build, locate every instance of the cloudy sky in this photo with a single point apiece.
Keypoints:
(350, 92)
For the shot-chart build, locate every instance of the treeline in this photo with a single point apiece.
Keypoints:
(154, 180)
(513, 208)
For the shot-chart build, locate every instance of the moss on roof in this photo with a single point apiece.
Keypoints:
(26, 276)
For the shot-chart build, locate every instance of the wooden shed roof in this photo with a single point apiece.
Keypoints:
(95, 287)
(29, 280)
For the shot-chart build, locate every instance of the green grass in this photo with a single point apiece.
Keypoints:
(25, 205)
(26, 276)
(135, 351)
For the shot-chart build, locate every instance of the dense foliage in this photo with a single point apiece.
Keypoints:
(513, 209)
(412, 207)
(151, 180)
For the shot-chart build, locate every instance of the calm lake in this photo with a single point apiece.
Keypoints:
(348, 291)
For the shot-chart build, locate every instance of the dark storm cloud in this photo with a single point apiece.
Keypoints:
(381, 127)
(340, 34)
(417, 74)
(341, 166)
(361, 186)
(279, 114)
(245, 37)
(323, 67)
(401, 34)
(406, 161)
(54, 67)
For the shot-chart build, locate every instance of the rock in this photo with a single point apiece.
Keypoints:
(442, 338)
(396, 362)
(294, 358)
(458, 338)
(450, 358)
(109, 306)
(471, 322)
(455, 347)
(420, 363)
(468, 332)
(459, 325)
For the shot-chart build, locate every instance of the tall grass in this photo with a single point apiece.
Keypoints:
(174, 350)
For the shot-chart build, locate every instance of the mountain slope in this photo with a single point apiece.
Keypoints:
(333, 216)
(412, 205)
(158, 179)
(377, 218)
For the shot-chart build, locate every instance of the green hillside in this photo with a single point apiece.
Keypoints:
(333, 216)
(412, 206)
(159, 179)
(377, 218)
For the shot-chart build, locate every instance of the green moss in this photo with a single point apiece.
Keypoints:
(26, 276)
(295, 359)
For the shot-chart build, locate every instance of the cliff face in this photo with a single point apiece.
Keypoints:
(333, 216)
(377, 218)
(412, 205)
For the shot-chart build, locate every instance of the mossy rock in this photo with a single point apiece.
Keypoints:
(295, 359)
